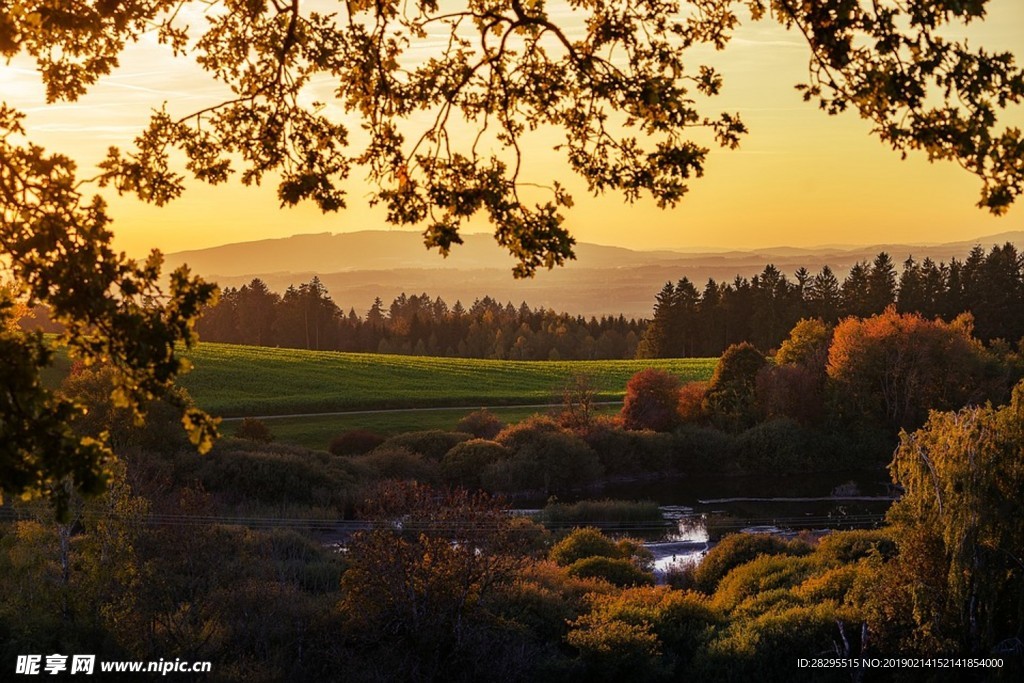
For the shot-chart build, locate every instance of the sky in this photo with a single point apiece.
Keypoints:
(800, 178)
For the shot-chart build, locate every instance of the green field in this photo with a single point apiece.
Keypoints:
(234, 380)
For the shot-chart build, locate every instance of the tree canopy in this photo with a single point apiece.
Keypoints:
(624, 92)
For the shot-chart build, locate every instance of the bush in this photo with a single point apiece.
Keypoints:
(691, 401)
(616, 571)
(750, 580)
(737, 549)
(543, 458)
(431, 444)
(395, 462)
(273, 474)
(764, 648)
(355, 442)
(254, 430)
(465, 463)
(774, 446)
(483, 424)
(678, 620)
(833, 584)
(701, 450)
(842, 547)
(630, 452)
(583, 543)
(652, 401)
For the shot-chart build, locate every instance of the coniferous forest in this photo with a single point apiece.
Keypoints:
(693, 321)
(688, 321)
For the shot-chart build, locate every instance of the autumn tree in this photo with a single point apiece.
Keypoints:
(652, 401)
(893, 368)
(794, 386)
(960, 568)
(624, 92)
(416, 590)
(807, 344)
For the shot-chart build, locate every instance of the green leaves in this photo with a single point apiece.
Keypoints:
(112, 308)
(921, 91)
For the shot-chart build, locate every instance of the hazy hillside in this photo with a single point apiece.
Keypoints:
(358, 266)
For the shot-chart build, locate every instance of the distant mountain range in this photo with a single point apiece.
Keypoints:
(358, 266)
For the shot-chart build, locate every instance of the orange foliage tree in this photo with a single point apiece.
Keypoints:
(894, 367)
(652, 401)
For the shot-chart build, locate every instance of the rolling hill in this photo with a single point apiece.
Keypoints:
(358, 266)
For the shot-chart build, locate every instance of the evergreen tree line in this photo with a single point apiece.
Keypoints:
(306, 317)
(704, 322)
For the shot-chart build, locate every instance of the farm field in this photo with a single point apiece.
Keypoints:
(235, 381)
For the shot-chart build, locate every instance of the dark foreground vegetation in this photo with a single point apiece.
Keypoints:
(376, 561)
(213, 560)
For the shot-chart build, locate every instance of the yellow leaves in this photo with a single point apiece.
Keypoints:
(201, 429)
(611, 638)
(119, 397)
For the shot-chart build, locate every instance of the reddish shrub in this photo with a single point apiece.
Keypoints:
(483, 424)
(652, 401)
(691, 401)
(355, 442)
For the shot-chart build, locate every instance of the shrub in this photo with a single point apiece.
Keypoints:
(616, 571)
(465, 463)
(698, 449)
(842, 547)
(691, 401)
(254, 430)
(833, 584)
(431, 444)
(629, 452)
(652, 401)
(737, 549)
(583, 543)
(764, 647)
(273, 474)
(543, 458)
(774, 446)
(395, 462)
(355, 442)
(679, 620)
(483, 424)
(762, 574)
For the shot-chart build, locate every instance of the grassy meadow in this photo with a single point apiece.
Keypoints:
(234, 381)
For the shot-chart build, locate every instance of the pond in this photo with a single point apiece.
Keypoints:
(699, 510)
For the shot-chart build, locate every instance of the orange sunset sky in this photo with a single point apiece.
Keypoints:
(800, 177)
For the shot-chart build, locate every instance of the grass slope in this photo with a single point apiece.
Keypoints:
(232, 380)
